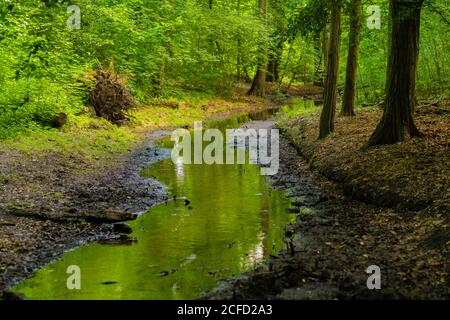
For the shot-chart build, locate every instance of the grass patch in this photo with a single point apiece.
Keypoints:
(87, 137)
(83, 136)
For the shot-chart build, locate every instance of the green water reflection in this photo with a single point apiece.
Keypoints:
(234, 220)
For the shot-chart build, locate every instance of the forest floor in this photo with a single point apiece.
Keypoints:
(388, 206)
(58, 187)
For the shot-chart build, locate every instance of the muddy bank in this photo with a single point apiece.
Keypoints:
(335, 240)
(64, 202)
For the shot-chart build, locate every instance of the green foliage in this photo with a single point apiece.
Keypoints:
(433, 71)
(163, 48)
(182, 48)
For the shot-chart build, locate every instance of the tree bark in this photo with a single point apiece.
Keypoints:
(258, 85)
(318, 69)
(325, 44)
(238, 57)
(397, 121)
(330, 90)
(348, 101)
(273, 74)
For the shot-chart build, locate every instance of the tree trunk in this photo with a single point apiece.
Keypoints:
(238, 60)
(271, 69)
(318, 69)
(325, 43)
(330, 90)
(397, 120)
(348, 101)
(239, 57)
(258, 85)
(273, 74)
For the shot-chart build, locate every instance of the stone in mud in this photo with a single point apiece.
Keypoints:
(166, 273)
(112, 216)
(122, 228)
(122, 240)
(11, 296)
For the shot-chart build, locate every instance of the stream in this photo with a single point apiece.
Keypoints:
(220, 221)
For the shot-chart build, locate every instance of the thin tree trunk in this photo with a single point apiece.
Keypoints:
(258, 85)
(238, 60)
(330, 90)
(318, 68)
(325, 44)
(239, 57)
(286, 64)
(348, 101)
(397, 120)
(273, 68)
(436, 62)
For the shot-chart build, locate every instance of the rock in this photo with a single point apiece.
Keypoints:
(11, 296)
(166, 273)
(122, 228)
(122, 240)
(112, 216)
(60, 120)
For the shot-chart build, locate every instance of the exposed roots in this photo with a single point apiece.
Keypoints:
(110, 97)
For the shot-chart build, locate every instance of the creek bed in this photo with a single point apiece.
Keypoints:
(221, 220)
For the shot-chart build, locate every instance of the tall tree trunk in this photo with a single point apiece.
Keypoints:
(330, 90)
(397, 120)
(238, 60)
(258, 85)
(270, 77)
(239, 57)
(273, 74)
(318, 68)
(325, 44)
(348, 101)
